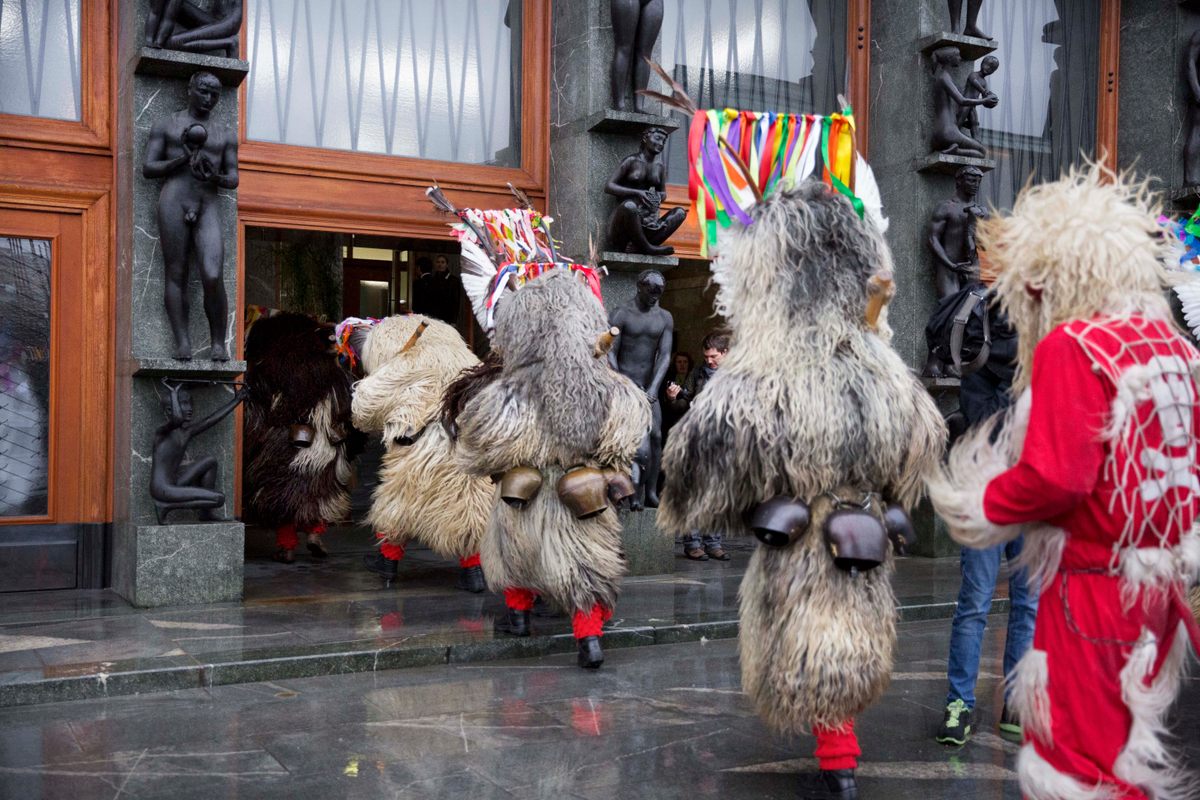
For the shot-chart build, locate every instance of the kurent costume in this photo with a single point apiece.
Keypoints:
(813, 433)
(409, 362)
(1097, 464)
(556, 427)
(298, 442)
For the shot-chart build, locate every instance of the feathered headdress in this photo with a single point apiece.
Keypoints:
(502, 249)
(1182, 260)
(736, 158)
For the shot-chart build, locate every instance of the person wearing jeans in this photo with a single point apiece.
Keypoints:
(980, 569)
(703, 547)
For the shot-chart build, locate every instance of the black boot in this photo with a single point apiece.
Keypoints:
(470, 579)
(590, 654)
(514, 623)
(381, 566)
(831, 784)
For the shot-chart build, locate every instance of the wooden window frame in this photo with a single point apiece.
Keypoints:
(79, 475)
(92, 131)
(415, 173)
(1108, 77)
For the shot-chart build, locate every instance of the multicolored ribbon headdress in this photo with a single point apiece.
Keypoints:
(1183, 256)
(737, 158)
(502, 249)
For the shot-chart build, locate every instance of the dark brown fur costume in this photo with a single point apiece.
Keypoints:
(294, 378)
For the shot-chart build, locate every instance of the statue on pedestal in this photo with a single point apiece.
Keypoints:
(183, 25)
(635, 24)
(949, 103)
(174, 485)
(952, 234)
(1191, 142)
(971, 28)
(197, 156)
(642, 353)
(641, 184)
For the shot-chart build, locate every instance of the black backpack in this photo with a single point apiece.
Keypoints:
(959, 332)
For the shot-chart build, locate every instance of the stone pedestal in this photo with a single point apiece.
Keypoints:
(183, 561)
(648, 550)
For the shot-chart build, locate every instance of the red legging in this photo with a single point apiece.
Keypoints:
(837, 748)
(395, 552)
(583, 623)
(286, 537)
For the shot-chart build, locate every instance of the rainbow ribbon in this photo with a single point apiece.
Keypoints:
(777, 149)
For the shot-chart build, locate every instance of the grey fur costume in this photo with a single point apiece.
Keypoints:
(553, 406)
(808, 400)
(422, 494)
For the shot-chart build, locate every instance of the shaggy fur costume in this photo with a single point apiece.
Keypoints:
(421, 494)
(294, 378)
(1112, 394)
(553, 406)
(808, 400)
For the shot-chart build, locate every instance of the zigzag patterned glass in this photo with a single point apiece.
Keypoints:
(436, 79)
(39, 58)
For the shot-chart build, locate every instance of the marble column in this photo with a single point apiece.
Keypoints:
(588, 140)
(184, 561)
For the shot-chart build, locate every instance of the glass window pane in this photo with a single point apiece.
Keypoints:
(754, 55)
(39, 58)
(438, 80)
(24, 376)
(1049, 52)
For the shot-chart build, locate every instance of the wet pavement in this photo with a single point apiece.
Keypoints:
(327, 617)
(655, 722)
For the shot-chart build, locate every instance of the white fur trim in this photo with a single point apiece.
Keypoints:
(957, 488)
(1041, 555)
(1189, 554)
(1145, 761)
(1028, 694)
(1041, 781)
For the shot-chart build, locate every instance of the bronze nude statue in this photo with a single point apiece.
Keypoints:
(952, 234)
(197, 156)
(949, 101)
(977, 86)
(642, 353)
(183, 25)
(172, 484)
(971, 28)
(1191, 142)
(635, 24)
(640, 183)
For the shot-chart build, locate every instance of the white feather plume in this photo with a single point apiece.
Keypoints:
(868, 191)
(1189, 297)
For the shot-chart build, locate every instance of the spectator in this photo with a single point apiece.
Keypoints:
(715, 346)
(681, 368)
(983, 394)
(445, 291)
(422, 291)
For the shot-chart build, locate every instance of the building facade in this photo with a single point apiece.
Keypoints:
(349, 109)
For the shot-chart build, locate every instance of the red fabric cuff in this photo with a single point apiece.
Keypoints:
(519, 599)
(469, 561)
(285, 537)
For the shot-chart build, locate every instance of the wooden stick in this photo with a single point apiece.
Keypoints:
(605, 342)
(880, 290)
(412, 340)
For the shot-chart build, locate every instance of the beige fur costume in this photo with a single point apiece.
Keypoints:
(554, 406)
(808, 400)
(422, 494)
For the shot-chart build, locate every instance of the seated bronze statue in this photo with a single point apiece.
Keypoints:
(173, 485)
(640, 183)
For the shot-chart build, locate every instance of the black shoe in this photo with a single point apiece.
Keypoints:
(590, 654)
(514, 623)
(956, 724)
(470, 579)
(831, 784)
(381, 566)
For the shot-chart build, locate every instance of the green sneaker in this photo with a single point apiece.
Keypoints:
(1010, 723)
(956, 726)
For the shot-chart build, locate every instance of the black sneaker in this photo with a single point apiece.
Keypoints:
(830, 784)
(956, 726)
(1010, 723)
(590, 654)
(470, 579)
(514, 623)
(381, 566)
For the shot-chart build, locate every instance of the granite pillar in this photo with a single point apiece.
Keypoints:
(184, 561)
(588, 141)
(901, 119)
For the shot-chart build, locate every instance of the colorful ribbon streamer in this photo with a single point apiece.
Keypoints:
(774, 148)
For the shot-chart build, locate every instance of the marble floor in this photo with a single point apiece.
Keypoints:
(655, 722)
(320, 617)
